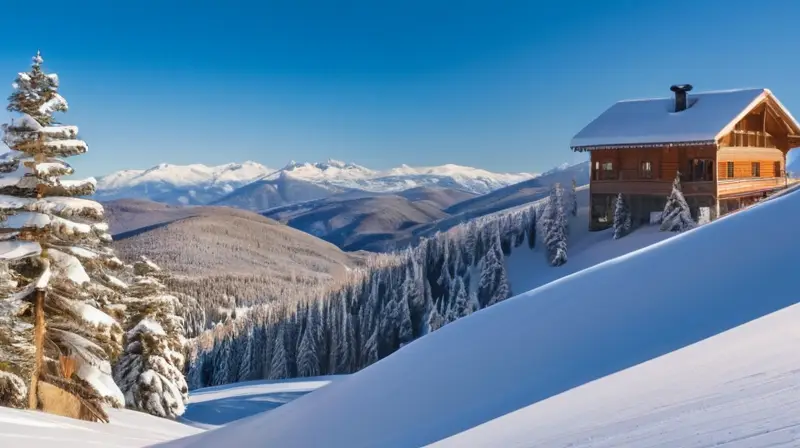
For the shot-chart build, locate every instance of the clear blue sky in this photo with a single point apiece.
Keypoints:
(501, 85)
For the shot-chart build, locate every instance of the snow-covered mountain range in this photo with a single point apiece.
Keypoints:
(255, 186)
(180, 184)
(352, 176)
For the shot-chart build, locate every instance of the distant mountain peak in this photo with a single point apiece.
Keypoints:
(202, 184)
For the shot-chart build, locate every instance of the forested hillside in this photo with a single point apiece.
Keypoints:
(227, 258)
(394, 300)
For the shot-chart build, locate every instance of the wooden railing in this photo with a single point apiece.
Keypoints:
(754, 184)
(636, 175)
(752, 139)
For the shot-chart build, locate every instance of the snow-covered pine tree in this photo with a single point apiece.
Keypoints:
(345, 343)
(531, 230)
(279, 367)
(150, 370)
(67, 283)
(435, 319)
(16, 335)
(573, 198)
(622, 218)
(445, 280)
(554, 226)
(461, 303)
(307, 356)
(246, 372)
(676, 216)
(222, 361)
(493, 282)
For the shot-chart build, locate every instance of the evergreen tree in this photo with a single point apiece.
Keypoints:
(150, 370)
(222, 362)
(622, 218)
(435, 319)
(16, 349)
(461, 303)
(573, 199)
(531, 230)
(74, 298)
(279, 368)
(345, 345)
(307, 358)
(335, 332)
(370, 354)
(676, 216)
(493, 284)
(246, 370)
(554, 226)
(445, 280)
(405, 331)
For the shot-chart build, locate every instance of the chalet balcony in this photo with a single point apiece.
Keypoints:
(738, 186)
(635, 182)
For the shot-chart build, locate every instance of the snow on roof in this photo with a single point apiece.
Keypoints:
(652, 121)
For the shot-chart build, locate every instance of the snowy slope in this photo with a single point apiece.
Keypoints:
(737, 389)
(201, 184)
(528, 269)
(208, 408)
(572, 332)
(28, 429)
(179, 184)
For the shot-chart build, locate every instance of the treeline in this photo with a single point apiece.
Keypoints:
(396, 299)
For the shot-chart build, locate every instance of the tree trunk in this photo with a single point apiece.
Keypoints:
(38, 341)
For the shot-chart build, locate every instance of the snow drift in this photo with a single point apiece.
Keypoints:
(540, 344)
(738, 388)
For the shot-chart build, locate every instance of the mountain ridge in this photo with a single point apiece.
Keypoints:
(251, 185)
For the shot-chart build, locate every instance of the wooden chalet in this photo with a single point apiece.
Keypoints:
(729, 146)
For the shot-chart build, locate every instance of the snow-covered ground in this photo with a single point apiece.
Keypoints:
(528, 269)
(740, 388)
(28, 429)
(212, 407)
(547, 358)
(208, 408)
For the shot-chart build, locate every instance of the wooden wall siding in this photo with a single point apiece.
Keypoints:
(743, 157)
(627, 162)
(669, 163)
(665, 160)
(738, 186)
(656, 188)
(726, 154)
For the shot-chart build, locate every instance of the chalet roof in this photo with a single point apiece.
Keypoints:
(644, 122)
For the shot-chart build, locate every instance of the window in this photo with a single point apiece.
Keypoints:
(646, 170)
(701, 170)
(756, 169)
(777, 169)
(607, 172)
(730, 170)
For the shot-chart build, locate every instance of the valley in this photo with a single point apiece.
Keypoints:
(670, 358)
(224, 257)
